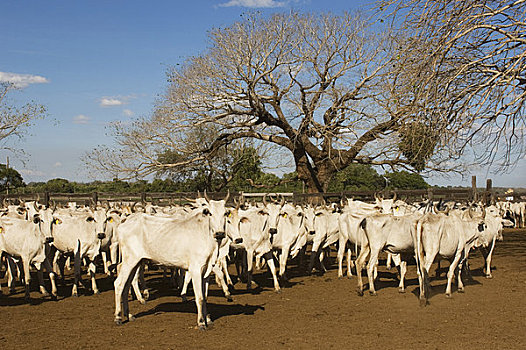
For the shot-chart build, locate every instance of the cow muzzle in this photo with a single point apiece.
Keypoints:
(238, 240)
(273, 231)
(312, 233)
(101, 235)
(49, 239)
(219, 235)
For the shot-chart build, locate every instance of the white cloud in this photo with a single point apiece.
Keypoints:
(110, 102)
(81, 119)
(253, 3)
(127, 112)
(30, 172)
(57, 165)
(21, 80)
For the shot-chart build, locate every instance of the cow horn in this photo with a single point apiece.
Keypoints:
(227, 196)
(483, 213)
(265, 199)
(394, 196)
(206, 196)
(282, 201)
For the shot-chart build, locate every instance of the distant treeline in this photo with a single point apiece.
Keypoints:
(355, 178)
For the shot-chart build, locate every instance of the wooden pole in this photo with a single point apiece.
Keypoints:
(489, 192)
(474, 188)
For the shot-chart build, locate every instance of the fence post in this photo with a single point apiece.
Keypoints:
(46, 199)
(430, 193)
(95, 198)
(489, 192)
(474, 188)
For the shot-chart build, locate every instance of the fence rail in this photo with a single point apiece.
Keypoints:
(166, 198)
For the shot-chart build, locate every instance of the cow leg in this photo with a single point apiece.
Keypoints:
(314, 254)
(451, 273)
(460, 284)
(78, 277)
(283, 264)
(403, 270)
(360, 261)
(487, 259)
(27, 278)
(187, 279)
(221, 278)
(40, 275)
(122, 287)
(91, 270)
(341, 251)
(228, 279)
(142, 283)
(135, 287)
(389, 260)
(105, 262)
(373, 260)
(67, 264)
(250, 261)
(350, 263)
(49, 270)
(200, 303)
(11, 270)
(272, 267)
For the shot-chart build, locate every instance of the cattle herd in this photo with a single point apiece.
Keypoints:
(200, 238)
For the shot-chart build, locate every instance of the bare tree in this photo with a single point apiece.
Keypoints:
(15, 120)
(477, 66)
(329, 90)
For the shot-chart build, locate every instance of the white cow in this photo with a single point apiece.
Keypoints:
(449, 237)
(79, 233)
(192, 244)
(27, 240)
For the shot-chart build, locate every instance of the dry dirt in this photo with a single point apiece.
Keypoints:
(315, 312)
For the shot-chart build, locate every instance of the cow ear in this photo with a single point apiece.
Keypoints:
(206, 211)
(90, 219)
(262, 212)
(244, 220)
(57, 221)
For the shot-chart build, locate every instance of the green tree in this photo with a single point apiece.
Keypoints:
(59, 185)
(404, 180)
(357, 177)
(10, 177)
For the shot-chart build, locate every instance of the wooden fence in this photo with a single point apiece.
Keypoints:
(167, 198)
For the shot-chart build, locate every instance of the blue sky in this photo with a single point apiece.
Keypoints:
(94, 62)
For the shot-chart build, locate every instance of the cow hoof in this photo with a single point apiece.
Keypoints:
(401, 290)
(461, 290)
(131, 318)
(278, 291)
(423, 302)
(142, 301)
(118, 322)
(146, 294)
(489, 276)
(448, 295)
(201, 327)
(96, 292)
(373, 293)
(184, 299)
(359, 292)
(229, 299)
(340, 277)
(209, 321)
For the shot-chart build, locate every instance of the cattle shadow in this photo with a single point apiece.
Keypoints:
(216, 311)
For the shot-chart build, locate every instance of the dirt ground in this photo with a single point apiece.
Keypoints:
(315, 312)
